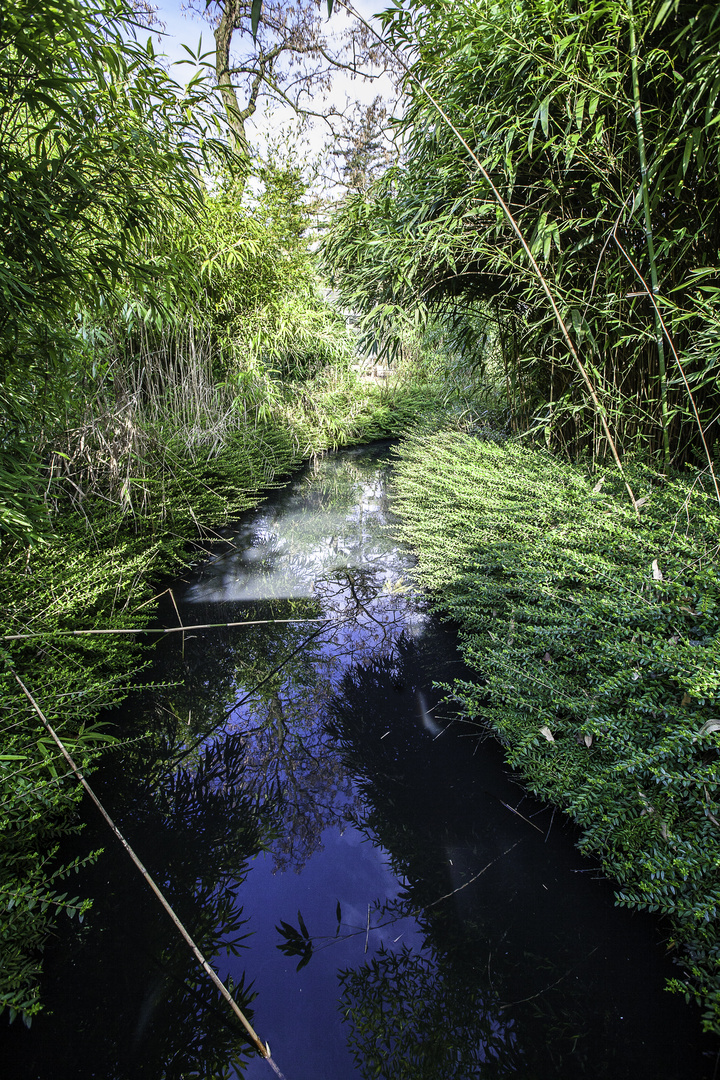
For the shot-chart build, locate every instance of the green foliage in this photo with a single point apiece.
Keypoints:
(543, 95)
(98, 149)
(596, 640)
(263, 297)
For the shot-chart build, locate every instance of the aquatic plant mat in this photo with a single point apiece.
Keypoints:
(596, 636)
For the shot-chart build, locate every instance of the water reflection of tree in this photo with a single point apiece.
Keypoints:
(290, 764)
(425, 1014)
(497, 940)
(287, 768)
(411, 1021)
(273, 682)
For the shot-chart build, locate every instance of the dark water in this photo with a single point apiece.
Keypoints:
(385, 900)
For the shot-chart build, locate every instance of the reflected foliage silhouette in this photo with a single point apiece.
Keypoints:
(139, 1006)
(506, 980)
(408, 1022)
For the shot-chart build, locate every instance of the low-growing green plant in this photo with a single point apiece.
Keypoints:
(596, 638)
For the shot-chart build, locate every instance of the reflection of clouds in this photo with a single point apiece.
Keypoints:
(325, 538)
(427, 720)
(288, 549)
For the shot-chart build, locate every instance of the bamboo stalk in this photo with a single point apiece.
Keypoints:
(681, 369)
(262, 1048)
(662, 376)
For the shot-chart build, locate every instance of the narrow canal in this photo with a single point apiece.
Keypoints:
(352, 855)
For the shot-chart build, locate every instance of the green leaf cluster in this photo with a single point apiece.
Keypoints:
(99, 149)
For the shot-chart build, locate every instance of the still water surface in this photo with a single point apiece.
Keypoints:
(342, 846)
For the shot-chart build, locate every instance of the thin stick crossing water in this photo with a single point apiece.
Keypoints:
(262, 1048)
(157, 629)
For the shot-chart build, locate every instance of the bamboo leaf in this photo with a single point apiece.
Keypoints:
(531, 136)
(579, 110)
(543, 113)
(665, 9)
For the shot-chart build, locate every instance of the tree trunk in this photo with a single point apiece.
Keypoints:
(223, 37)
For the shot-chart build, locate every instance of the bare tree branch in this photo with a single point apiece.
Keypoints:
(290, 61)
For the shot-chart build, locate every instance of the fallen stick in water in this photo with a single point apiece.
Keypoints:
(262, 1048)
(158, 629)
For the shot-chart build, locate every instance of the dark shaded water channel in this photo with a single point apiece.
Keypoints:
(413, 915)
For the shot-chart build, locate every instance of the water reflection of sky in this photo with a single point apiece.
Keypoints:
(301, 1007)
(305, 547)
(325, 540)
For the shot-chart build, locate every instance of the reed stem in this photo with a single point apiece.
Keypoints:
(262, 1048)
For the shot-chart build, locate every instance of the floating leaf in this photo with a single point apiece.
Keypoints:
(544, 730)
(588, 741)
